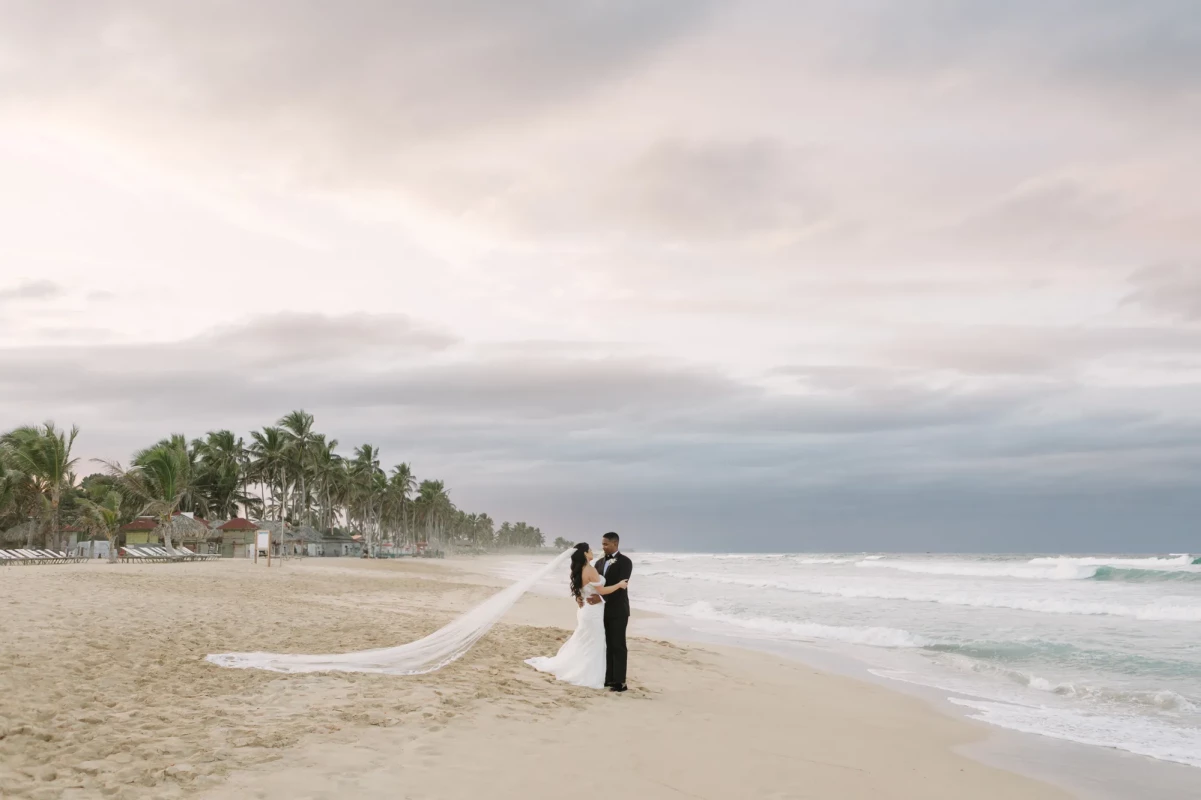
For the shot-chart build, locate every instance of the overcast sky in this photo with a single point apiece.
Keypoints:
(845, 275)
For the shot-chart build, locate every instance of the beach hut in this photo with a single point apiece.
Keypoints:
(304, 540)
(340, 544)
(139, 531)
(27, 533)
(194, 533)
(237, 537)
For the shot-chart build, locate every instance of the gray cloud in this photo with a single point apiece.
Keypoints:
(1053, 215)
(1171, 289)
(1055, 352)
(382, 375)
(721, 190)
(291, 339)
(1152, 48)
(32, 290)
(339, 90)
(582, 425)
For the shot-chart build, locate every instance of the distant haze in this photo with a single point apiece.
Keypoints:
(854, 275)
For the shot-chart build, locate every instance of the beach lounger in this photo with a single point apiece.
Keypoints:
(151, 554)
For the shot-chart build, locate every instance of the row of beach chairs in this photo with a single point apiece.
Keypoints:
(27, 556)
(159, 554)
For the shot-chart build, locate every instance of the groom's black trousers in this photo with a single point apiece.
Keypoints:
(617, 617)
(615, 648)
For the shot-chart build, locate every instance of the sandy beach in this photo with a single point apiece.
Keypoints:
(104, 693)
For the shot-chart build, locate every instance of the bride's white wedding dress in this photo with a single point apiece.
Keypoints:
(581, 659)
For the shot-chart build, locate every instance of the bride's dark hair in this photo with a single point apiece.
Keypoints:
(578, 559)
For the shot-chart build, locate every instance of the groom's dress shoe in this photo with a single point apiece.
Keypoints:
(621, 688)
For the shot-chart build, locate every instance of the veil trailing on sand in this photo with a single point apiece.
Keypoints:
(415, 658)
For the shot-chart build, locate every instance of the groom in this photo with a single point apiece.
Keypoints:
(615, 568)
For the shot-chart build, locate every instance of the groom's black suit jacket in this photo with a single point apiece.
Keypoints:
(617, 604)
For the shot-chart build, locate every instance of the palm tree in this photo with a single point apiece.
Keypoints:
(195, 500)
(270, 452)
(103, 519)
(42, 455)
(434, 508)
(298, 428)
(221, 478)
(401, 486)
(329, 477)
(367, 487)
(159, 482)
(12, 488)
(484, 531)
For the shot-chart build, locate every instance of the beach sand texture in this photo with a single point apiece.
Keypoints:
(104, 693)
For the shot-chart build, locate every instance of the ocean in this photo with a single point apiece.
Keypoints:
(1095, 649)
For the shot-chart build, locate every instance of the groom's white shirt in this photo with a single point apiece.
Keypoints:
(609, 560)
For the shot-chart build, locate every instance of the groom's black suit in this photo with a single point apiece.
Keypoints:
(617, 617)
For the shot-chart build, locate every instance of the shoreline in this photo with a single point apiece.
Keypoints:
(104, 690)
(1093, 772)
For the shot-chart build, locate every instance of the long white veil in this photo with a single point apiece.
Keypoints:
(415, 658)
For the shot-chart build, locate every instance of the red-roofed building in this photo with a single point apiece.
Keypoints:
(237, 536)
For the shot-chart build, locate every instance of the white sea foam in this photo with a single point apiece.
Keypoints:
(1057, 572)
(1165, 609)
(1123, 732)
(874, 636)
(1104, 561)
(1160, 699)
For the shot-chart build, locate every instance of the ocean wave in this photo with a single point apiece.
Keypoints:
(1160, 699)
(1136, 570)
(1147, 562)
(1133, 575)
(1058, 572)
(1164, 610)
(790, 558)
(1134, 735)
(874, 636)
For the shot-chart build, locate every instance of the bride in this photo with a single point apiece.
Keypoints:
(581, 659)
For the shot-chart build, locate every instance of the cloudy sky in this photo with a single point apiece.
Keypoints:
(844, 275)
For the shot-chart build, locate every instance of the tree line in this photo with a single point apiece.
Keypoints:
(283, 472)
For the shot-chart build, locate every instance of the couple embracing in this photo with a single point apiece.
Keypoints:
(595, 655)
